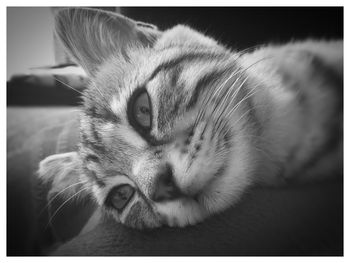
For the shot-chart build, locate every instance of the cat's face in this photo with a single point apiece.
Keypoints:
(163, 119)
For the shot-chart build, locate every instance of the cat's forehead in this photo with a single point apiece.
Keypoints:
(173, 76)
(178, 45)
(163, 69)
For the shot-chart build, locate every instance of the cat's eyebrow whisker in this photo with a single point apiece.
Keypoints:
(64, 203)
(69, 86)
(102, 96)
(60, 192)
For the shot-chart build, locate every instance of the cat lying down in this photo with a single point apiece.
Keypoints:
(298, 219)
(175, 127)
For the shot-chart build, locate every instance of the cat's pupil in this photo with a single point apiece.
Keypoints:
(144, 110)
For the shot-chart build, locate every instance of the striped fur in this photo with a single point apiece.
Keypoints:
(222, 120)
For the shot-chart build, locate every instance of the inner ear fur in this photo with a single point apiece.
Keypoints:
(62, 171)
(92, 36)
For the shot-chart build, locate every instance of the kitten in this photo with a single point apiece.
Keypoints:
(175, 127)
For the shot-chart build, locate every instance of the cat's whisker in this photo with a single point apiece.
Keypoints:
(240, 102)
(249, 94)
(245, 113)
(69, 86)
(235, 123)
(227, 94)
(59, 193)
(235, 94)
(63, 204)
(219, 119)
(221, 123)
(247, 50)
(227, 91)
(219, 104)
(209, 97)
(102, 96)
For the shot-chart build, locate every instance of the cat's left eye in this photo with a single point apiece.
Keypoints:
(142, 110)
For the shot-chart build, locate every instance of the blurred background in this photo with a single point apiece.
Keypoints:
(37, 65)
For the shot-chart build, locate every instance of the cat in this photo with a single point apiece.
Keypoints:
(175, 127)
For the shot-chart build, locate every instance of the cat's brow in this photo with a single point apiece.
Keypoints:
(202, 83)
(184, 58)
(106, 115)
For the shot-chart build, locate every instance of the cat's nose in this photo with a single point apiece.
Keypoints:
(165, 187)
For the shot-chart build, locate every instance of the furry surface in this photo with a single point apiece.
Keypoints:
(298, 220)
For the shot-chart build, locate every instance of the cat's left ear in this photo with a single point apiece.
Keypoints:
(92, 36)
(61, 171)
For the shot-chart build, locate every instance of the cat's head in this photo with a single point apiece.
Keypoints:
(163, 120)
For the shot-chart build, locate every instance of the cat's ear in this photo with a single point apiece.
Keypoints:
(61, 171)
(92, 36)
(64, 198)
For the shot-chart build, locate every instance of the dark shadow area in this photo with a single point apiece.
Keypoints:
(243, 27)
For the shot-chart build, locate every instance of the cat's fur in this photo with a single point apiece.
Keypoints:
(221, 120)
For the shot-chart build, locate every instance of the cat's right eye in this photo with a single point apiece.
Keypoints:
(141, 111)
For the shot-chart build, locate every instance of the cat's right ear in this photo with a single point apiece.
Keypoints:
(92, 36)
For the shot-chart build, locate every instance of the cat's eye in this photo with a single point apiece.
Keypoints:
(141, 110)
(120, 196)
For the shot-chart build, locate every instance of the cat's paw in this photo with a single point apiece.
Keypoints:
(180, 213)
